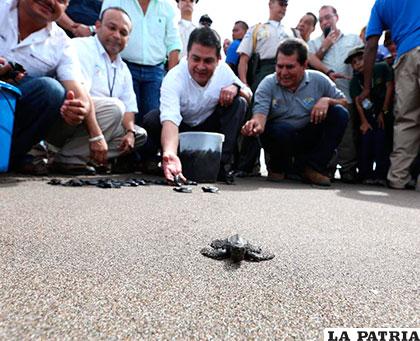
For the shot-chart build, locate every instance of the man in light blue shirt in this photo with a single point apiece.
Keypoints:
(154, 39)
(402, 18)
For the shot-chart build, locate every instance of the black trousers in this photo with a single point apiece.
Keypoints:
(224, 120)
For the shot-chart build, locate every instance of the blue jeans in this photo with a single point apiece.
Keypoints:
(312, 145)
(36, 112)
(146, 83)
(373, 149)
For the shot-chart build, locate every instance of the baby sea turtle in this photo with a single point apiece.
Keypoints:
(183, 189)
(210, 189)
(235, 248)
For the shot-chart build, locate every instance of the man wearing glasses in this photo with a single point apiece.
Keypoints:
(327, 54)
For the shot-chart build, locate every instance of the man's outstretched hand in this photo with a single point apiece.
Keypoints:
(171, 165)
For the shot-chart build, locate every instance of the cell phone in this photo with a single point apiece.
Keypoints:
(14, 72)
(327, 31)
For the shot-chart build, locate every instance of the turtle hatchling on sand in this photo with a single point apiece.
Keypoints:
(235, 248)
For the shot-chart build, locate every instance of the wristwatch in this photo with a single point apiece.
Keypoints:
(131, 131)
(238, 87)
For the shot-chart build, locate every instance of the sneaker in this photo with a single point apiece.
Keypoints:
(315, 178)
(275, 177)
(72, 169)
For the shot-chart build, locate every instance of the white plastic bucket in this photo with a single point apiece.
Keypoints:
(200, 153)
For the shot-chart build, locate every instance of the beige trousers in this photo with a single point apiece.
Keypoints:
(109, 114)
(407, 118)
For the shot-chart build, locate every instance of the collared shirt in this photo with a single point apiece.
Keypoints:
(154, 35)
(46, 52)
(401, 17)
(279, 103)
(269, 37)
(185, 29)
(183, 99)
(103, 77)
(335, 56)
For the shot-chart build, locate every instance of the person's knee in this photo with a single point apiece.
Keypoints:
(339, 115)
(141, 136)
(117, 108)
(278, 134)
(52, 90)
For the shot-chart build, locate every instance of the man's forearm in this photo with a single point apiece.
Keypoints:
(128, 121)
(338, 101)
(243, 68)
(369, 58)
(316, 63)
(169, 137)
(91, 123)
(360, 111)
(173, 59)
(66, 22)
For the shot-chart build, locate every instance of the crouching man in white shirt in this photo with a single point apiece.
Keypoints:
(108, 80)
(199, 94)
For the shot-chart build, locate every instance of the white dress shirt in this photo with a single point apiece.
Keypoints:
(183, 99)
(185, 29)
(47, 52)
(103, 77)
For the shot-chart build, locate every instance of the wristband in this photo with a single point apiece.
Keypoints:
(330, 71)
(97, 138)
(92, 29)
(131, 131)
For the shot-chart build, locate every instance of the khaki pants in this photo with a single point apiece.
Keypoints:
(109, 114)
(407, 118)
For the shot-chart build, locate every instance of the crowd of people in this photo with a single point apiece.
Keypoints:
(107, 86)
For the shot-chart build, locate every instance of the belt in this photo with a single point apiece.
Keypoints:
(267, 61)
(142, 65)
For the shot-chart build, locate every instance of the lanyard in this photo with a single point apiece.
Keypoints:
(111, 87)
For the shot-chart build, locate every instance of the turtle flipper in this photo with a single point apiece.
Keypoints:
(254, 248)
(258, 256)
(214, 253)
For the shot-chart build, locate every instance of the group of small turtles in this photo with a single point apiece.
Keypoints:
(180, 186)
(234, 247)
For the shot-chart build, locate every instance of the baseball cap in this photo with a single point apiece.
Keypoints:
(353, 52)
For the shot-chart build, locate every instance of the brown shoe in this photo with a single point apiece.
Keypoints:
(313, 177)
(275, 177)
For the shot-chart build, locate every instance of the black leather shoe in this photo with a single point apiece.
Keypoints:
(72, 169)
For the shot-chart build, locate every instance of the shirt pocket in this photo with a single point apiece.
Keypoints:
(43, 63)
(157, 27)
